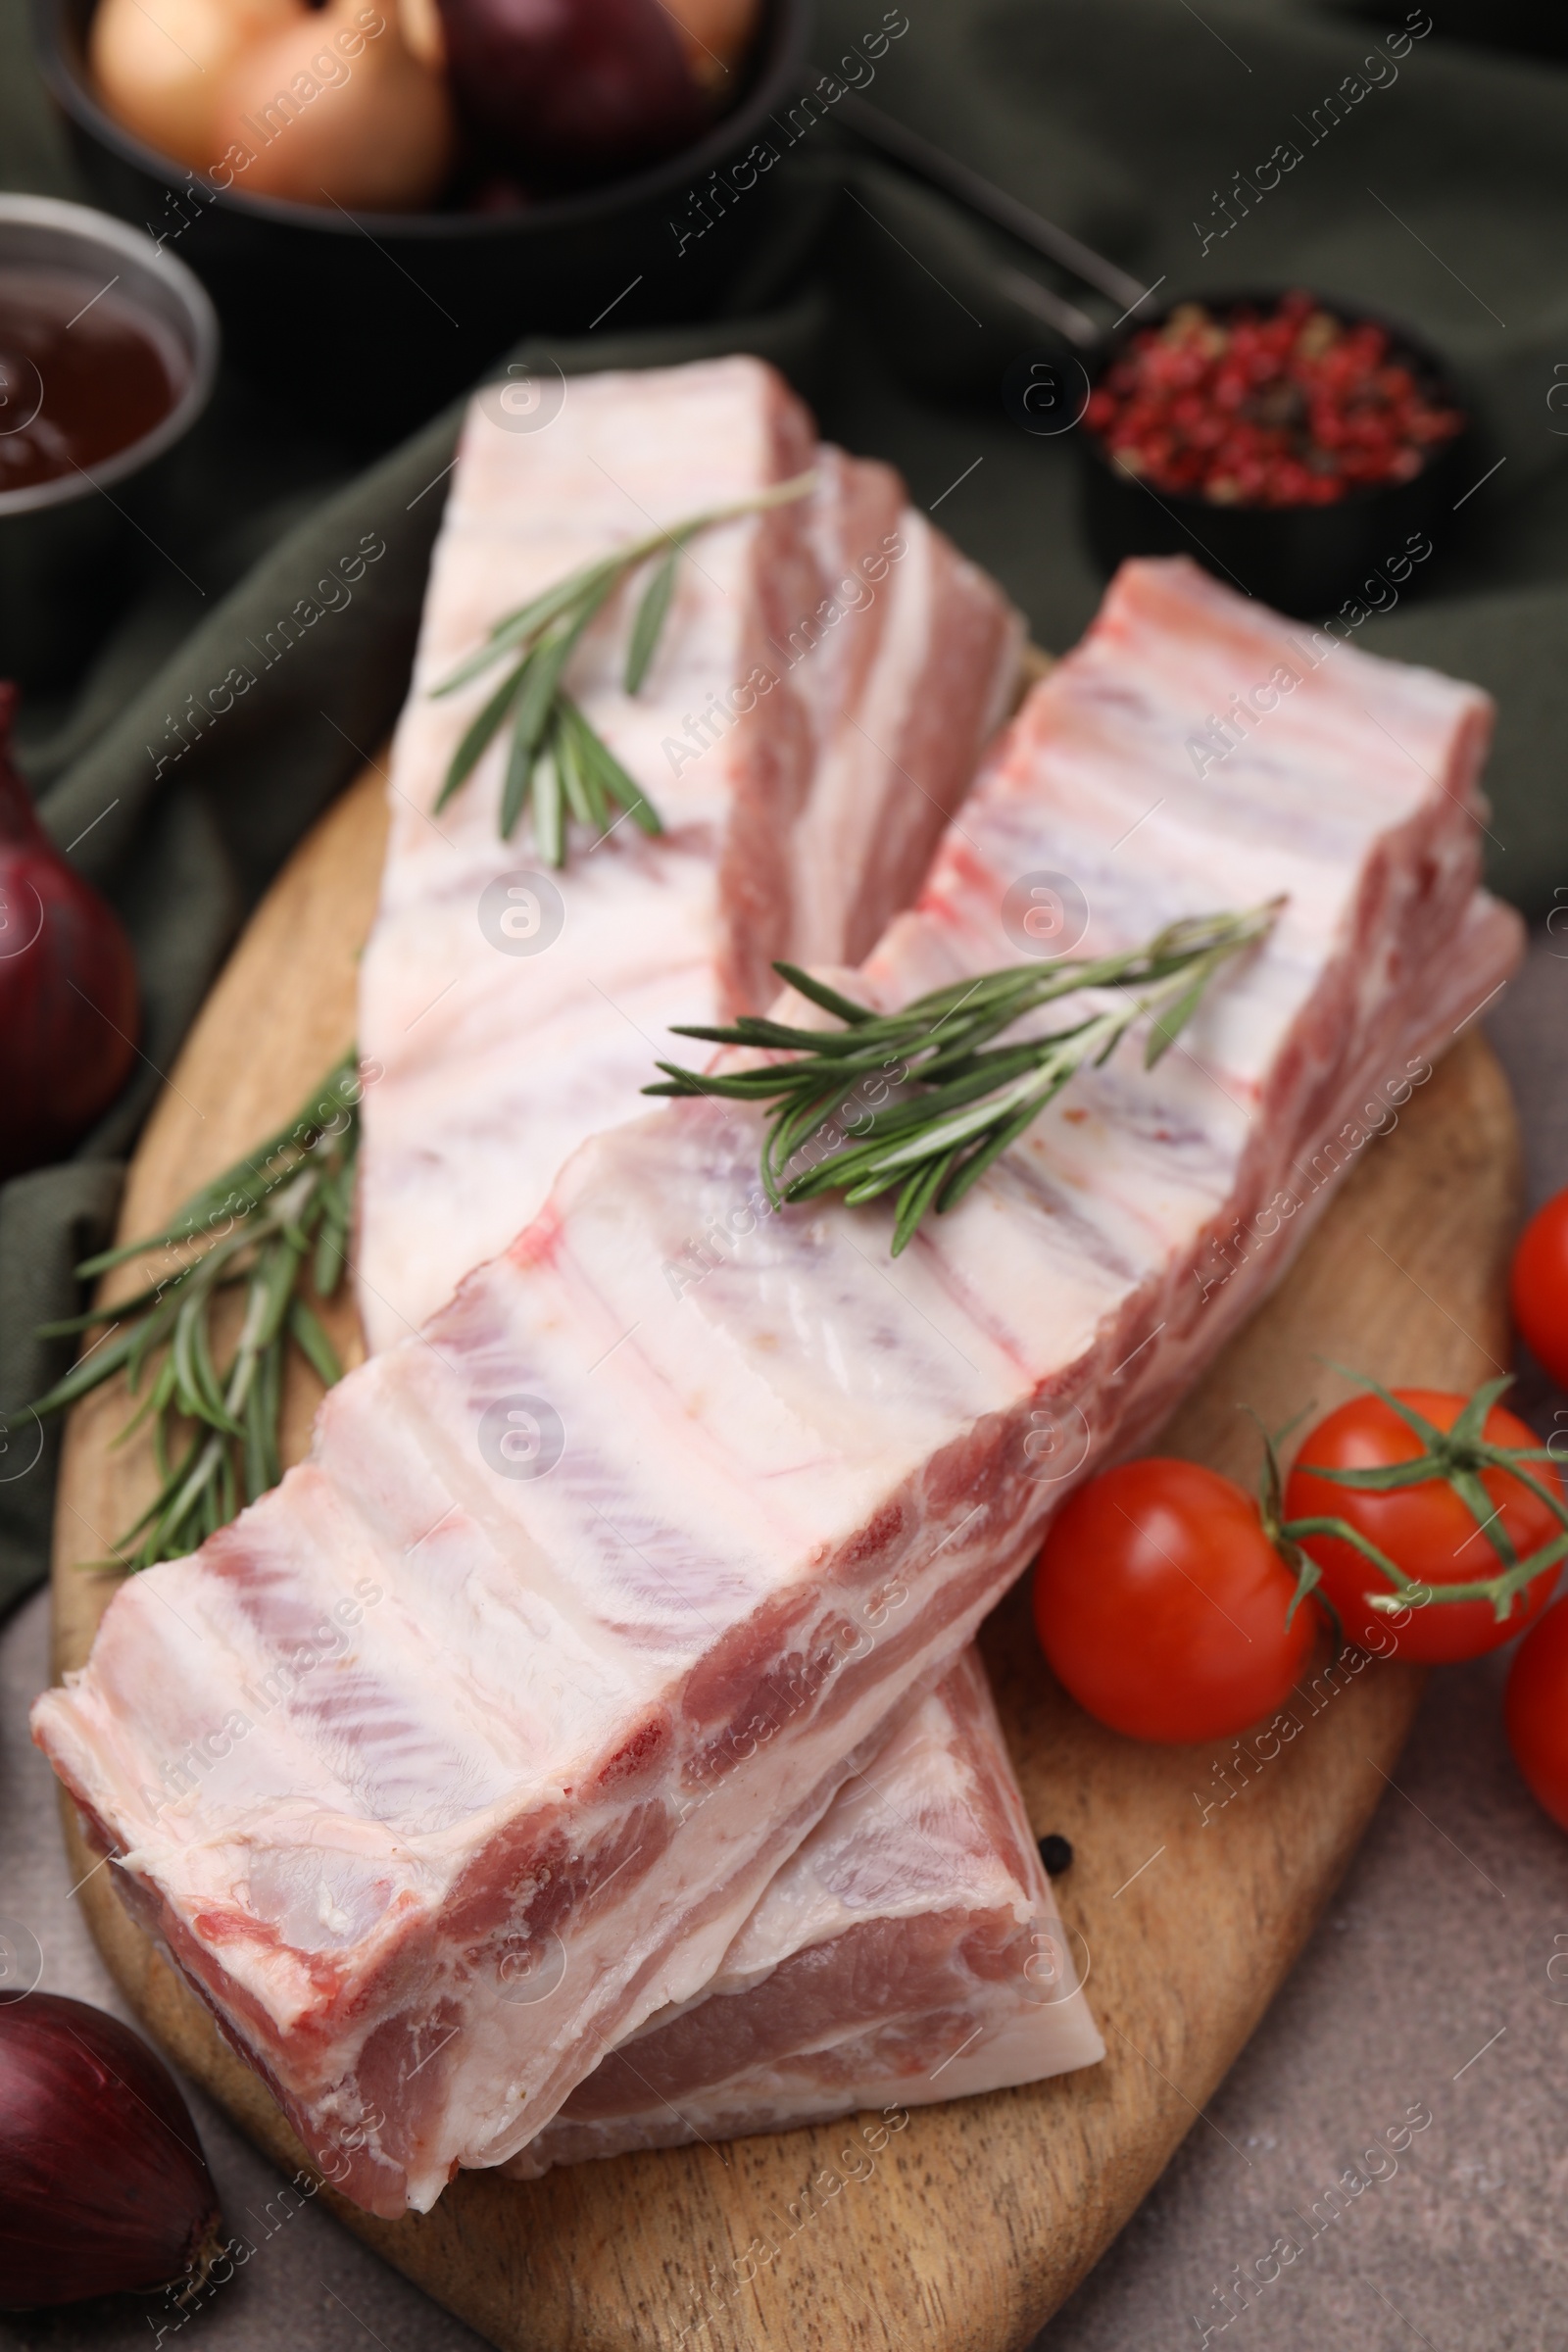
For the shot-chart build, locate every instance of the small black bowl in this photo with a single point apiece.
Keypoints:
(371, 322)
(1301, 560)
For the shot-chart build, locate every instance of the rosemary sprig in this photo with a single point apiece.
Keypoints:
(555, 758)
(273, 1220)
(1459, 1456)
(958, 1101)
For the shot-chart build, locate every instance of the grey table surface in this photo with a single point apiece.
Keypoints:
(1425, 1988)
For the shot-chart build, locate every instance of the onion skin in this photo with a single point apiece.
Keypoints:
(103, 2184)
(715, 35)
(158, 63)
(69, 1007)
(375, 135)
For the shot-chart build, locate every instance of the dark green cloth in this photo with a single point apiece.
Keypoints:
(1438, 194)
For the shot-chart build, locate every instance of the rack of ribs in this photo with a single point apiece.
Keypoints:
(593, 1594)
(827, 677)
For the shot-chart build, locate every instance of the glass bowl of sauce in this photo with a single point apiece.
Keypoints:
(84, 375)
(108, 354)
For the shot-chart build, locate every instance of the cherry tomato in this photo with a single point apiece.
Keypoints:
(1539, 1287)
(1536, 1710)
(1161, 1604)
(1425, 1530)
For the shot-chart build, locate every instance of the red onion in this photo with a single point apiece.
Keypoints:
(103, 2184)
(566, 91)
(68, 1013)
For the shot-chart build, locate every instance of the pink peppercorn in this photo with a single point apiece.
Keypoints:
(1292, 408)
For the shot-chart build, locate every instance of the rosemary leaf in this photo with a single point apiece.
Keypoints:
(479, 735)
(193, 1365)
(257, 1461)
(332, 1243)
(651, 619)
(105, 1359)
(528, 621)
(215, 1426)
(614, 779)
(69, 1325)
(584, 795)
(916, 1199)
(265, 1402)
(555, 756)
(549, 814)
(154, 1404)
(280, 1270)
(806, 984)
(975, 1166)
(516, 783)
(156, 1328)
(919, 1100)
(160, 1457)
(314, 1345)
(543, 669)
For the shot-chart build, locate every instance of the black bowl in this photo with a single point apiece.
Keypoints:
(372, 322)
(1301, 560)
(1539, 27)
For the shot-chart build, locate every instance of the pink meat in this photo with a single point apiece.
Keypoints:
(909, 1951)
(787, 732)
(471, 1747)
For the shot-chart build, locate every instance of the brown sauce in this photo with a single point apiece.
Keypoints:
(83, 374)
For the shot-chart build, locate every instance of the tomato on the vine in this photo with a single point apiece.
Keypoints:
(1536, 1710)
(1161, 1605)
(1425, 1530)
(1539, 1287)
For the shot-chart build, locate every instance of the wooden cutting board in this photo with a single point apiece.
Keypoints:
(977, 2218)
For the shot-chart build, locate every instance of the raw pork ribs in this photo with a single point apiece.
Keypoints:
(799, 824)
(827, 677)
(909, 1951)
(636, 1551)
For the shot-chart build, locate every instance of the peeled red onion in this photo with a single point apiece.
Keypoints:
(103, 2184)
(68, 1011)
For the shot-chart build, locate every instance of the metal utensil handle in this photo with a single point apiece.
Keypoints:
(992, 203)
